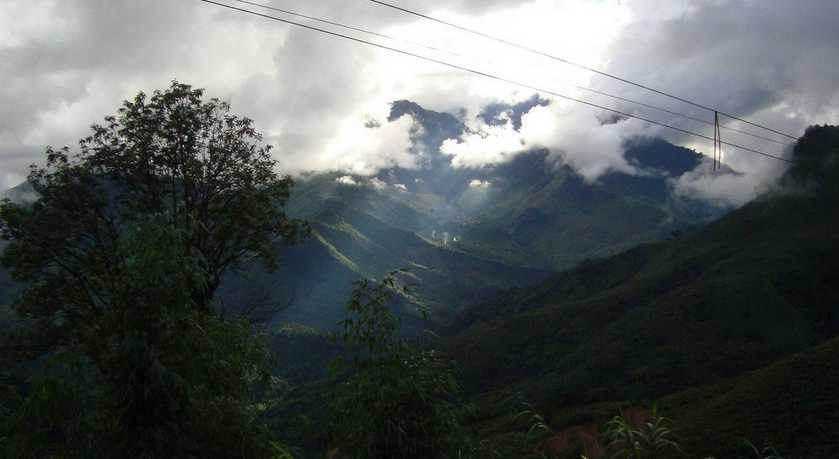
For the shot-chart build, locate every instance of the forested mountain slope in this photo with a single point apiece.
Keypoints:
(462, 243)
(757, 285)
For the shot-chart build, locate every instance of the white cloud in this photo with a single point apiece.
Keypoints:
(494, 144)
(346, 180)
(361, 150)
(66, 64)
(573, 137)
(729, 189)
(479, 183)
(377, 183)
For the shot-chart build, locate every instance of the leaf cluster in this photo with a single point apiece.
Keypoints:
(655, 439)
(399, 400)
(121, 255)
(153, 377)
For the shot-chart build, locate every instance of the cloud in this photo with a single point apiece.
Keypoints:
(361, 150)
(774, 63)
(377, 183)
(573, 137)
(479, 183)
(491, 145)
(66, 63)
(748, 180)
(347, 180)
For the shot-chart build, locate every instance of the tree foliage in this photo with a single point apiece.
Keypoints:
(154, 376)
(121, 255)
(173, 152)
(654, 439)
(816, 159)
(399, 400)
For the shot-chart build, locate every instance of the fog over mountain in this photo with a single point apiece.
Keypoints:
(65, 63)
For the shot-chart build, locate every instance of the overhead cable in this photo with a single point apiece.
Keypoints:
(581, 88)
(489, 75)
(578, 65)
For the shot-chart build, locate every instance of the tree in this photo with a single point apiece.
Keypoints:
(173, 153)
(816, 159)
(399, 400)
(122, 254)
(154, 376)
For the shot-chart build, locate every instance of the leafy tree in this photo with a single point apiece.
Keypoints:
(154, 376)
(122, 254)
(816, 159)
(173, 152)
(398, 402)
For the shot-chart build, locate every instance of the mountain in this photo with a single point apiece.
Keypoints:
(20, 194)
(316, 278)
(755, 291)
(743, 291)
(793, 402)
(464, 234)
(530, 211)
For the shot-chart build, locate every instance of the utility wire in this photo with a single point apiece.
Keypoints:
(582, 88)
(681, 115)
(575, 64)
(344, 26)
(490, 76)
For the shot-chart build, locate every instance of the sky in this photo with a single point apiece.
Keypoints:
(65, 64)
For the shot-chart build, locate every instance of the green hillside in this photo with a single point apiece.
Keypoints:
(751, 288)
(791, 403)
(551, 217)
(746, 290)
(315, 278)
(531, 211)
(731, 330)
(738, 320)
(462, 243)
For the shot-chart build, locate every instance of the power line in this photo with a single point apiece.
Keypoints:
(582, 88)
(343, 26)
(681, 115)
(489, 75)
(575, 64)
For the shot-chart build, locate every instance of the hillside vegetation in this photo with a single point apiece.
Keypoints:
(464, 243)
(754, 287)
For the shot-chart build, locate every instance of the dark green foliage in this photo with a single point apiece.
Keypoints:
(752, 288)
(736, 296)
(288, 342)
(398, 402)
(121, 255)
(791, 404)
(153, 376)
(174, 153)
(816, 159)
(653, 440)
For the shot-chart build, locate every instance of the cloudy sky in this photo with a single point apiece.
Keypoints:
(66, 63)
